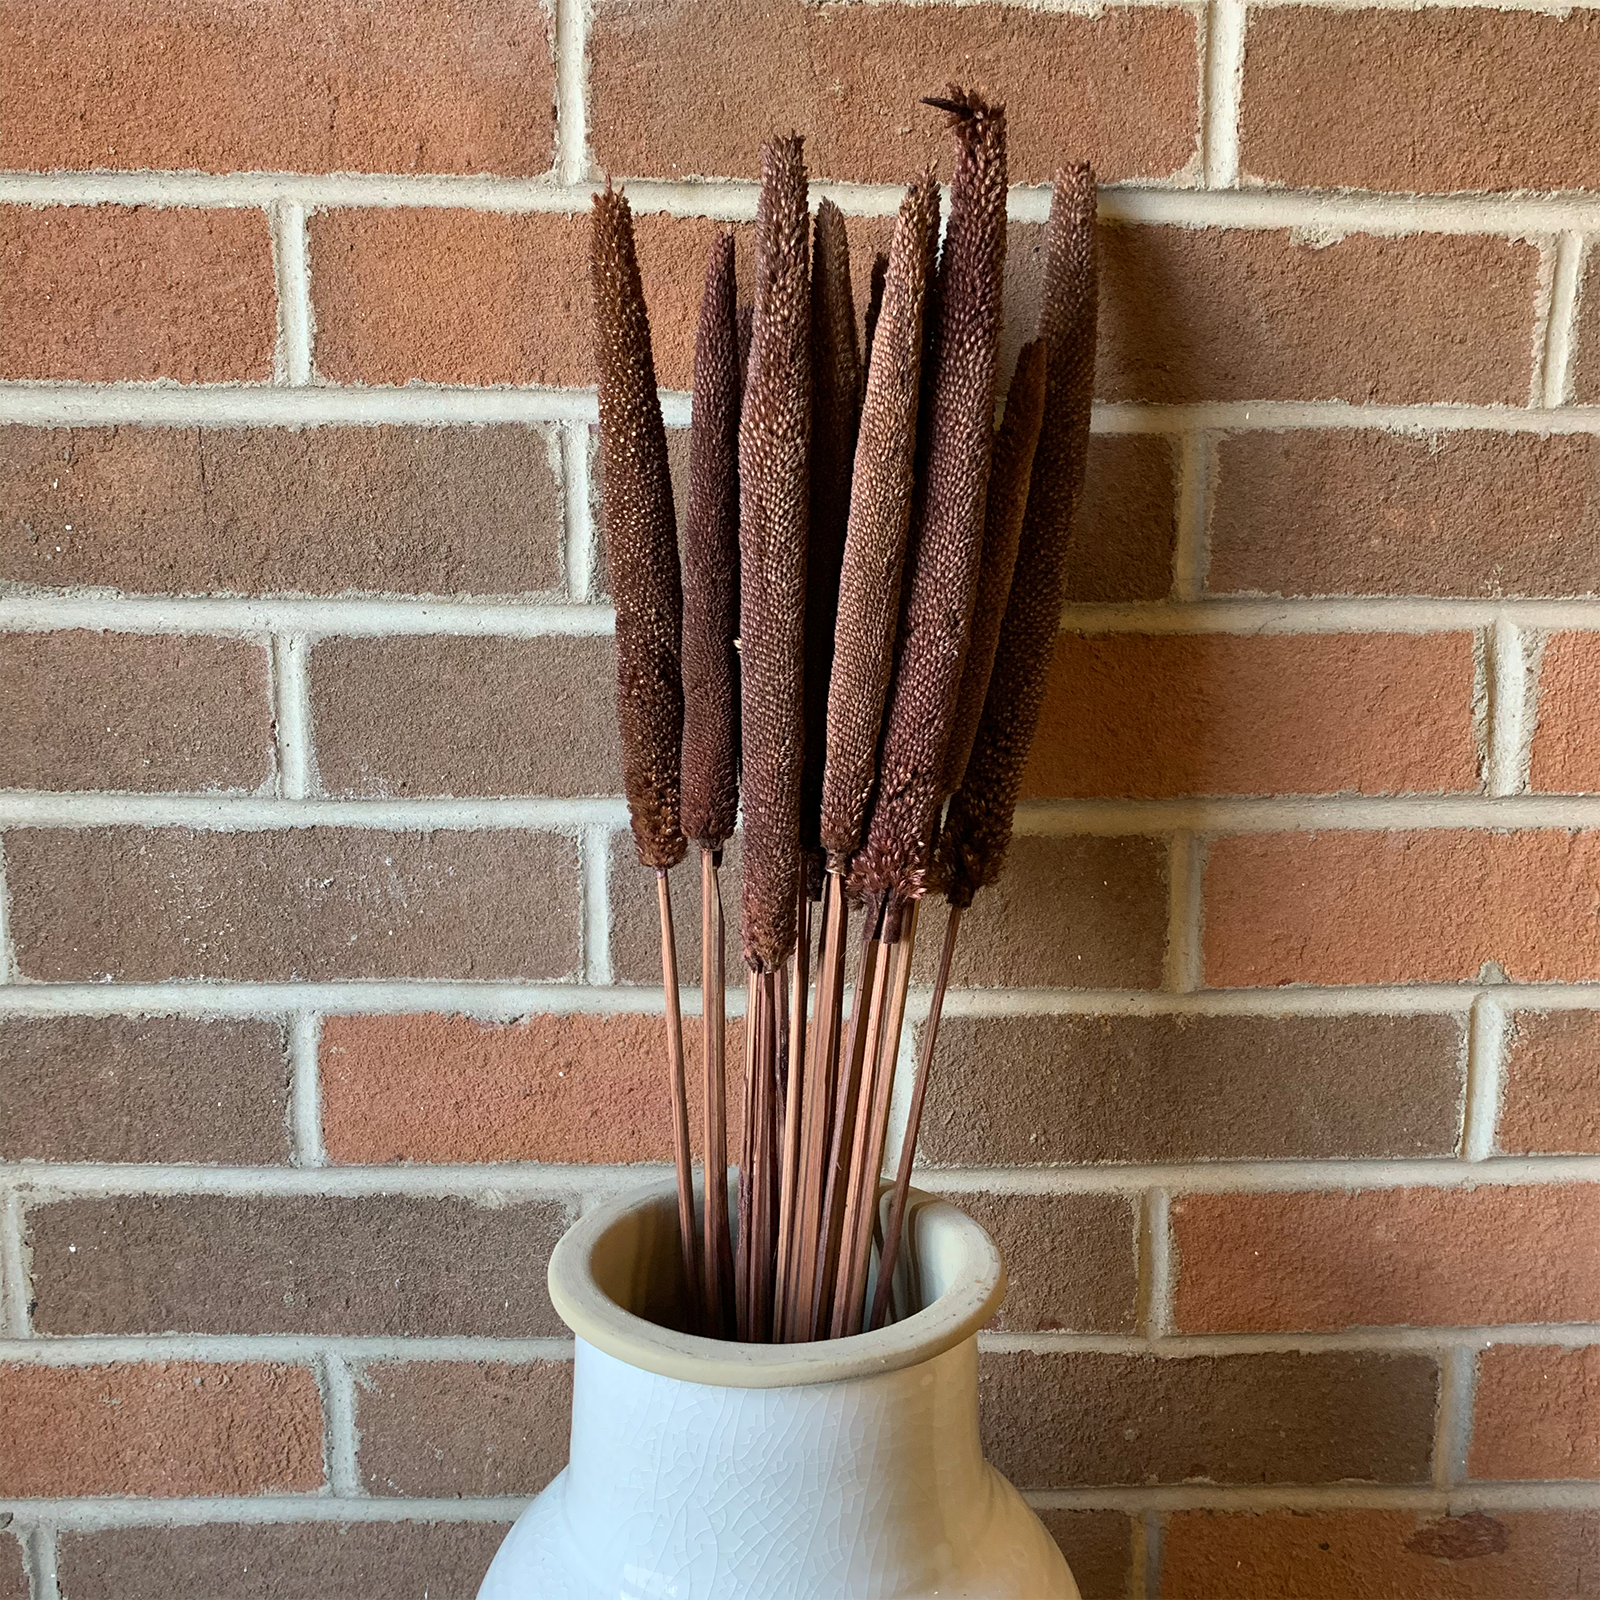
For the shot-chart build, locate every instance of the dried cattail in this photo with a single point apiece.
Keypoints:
(1002, 528)
(880, 513)
(880, 271)
(947, 528)
(641, 538)
(978, 829)
(711, 566)
(774, 438)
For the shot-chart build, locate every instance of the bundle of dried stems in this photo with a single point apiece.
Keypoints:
(893, 571)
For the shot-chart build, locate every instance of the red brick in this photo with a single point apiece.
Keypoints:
(1566, 740)
(98, 293)
(1444, 98)
(169, 1428)
(444, 1429)
(281, 1561)
(82, 710)
(1152, 715)
(358, 510)
(390, 308)
(1060, 1420)
(440, 716)
(850, 81)
(1536, 1413)
(1349, 511)
(1379, 1555)
(1435, 905)
(1550, 1099)
(295, 1265)
(1098, 1546)
(143, 1089)
(420, 86)
(1376, 1257)
(300, 904)
(13, 1574)
(1120, 546)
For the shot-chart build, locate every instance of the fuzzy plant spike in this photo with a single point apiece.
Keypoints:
(978, 829)
(711, 566)
(948, 518)
(880, 513)
(774, 506)
(641, 538)
(880, 271)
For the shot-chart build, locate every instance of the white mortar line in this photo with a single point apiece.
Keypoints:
(1458, 1375)
(1190, 552)
(8, 964)
(596, 852)
(1155, 1254)
(248, 813)
(291, 715)
(115, 1511)
(1436, 1342)
(341, 1446)
(1489, 1497)
(1184, 958)
(1540, 334)
(305, 1096)
(1561, 322)
(1152, 1536)
(291, 362)
(1224, 73)
(14, 1275)
(42, 1556)
(578, 538)
(1487, 1038)
(1356, 615)
(572, 136)
(290, 1349)
(1061, 818)
(1508, 710)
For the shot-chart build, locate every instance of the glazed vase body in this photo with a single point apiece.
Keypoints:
(698, 1473)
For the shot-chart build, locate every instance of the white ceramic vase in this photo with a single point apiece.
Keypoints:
(848, 1469)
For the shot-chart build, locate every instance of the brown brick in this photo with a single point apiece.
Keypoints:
(1550, 1099)
(143, 1089)
(1441, 99)
(169, 1428)
(461, 510)
(281, 1561)
(1054, 1090)
(636, 921)
(430, 86)
(1566, 740)
(444, 1429)
(1356, 512)
(81, 710)
(1120, 547)
(1169, 714)
(302, 1264)
(302, 904)
(1071, 1260)
(1050, 1421)
(1536, 1413)
(390, 308)
(1233, 314)
(13, 1574)
(99, 293)
(571, 1088)
(437, 716)
(1098, 1546)
(1437, 905)
(850, 81)
(1377, 1257)
(1586, 359)
(1379, 1555)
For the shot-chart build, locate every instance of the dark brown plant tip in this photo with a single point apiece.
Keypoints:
(978, 828)
(774, 511)
(641, 538)
(711, 566)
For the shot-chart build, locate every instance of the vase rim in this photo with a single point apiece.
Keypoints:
(946, 1244)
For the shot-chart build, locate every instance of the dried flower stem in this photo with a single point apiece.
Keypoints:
(717, 1243)
(680, 1101)
(796, 1090)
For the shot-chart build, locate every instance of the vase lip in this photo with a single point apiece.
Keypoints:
(967, 1260)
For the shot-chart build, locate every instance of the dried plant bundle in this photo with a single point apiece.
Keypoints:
(869, 327)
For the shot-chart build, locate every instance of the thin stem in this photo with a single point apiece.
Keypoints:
(797, 1090)
(717, 1248)
(681, 1155)
(744, 1287)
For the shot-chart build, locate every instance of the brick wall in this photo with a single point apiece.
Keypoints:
(1275, 1062)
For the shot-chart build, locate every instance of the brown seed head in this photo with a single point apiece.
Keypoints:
(641, 537)
(880, 270)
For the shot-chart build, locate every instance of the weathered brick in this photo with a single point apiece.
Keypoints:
(425, 86)
(281, 1561)
(1120, 546)
(1438, 905)
(572, 1088)
(358, 510)
(1056, 1420)
(1444, 98)
(168, 1428)
(13, 1574)
(443, 1429)
(82, 710)
(1566, 740)
(1536, 1413)
(304, 1264)
(313, 903)
(1098, 1546)
(1550, 1097)
(98, 293)
(1348, 511)
(435, 716)
(143, 1089)
(1379, 1555)
(1049, 1090)
(1420, 1257)
(851, 80)
(1167, 714)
